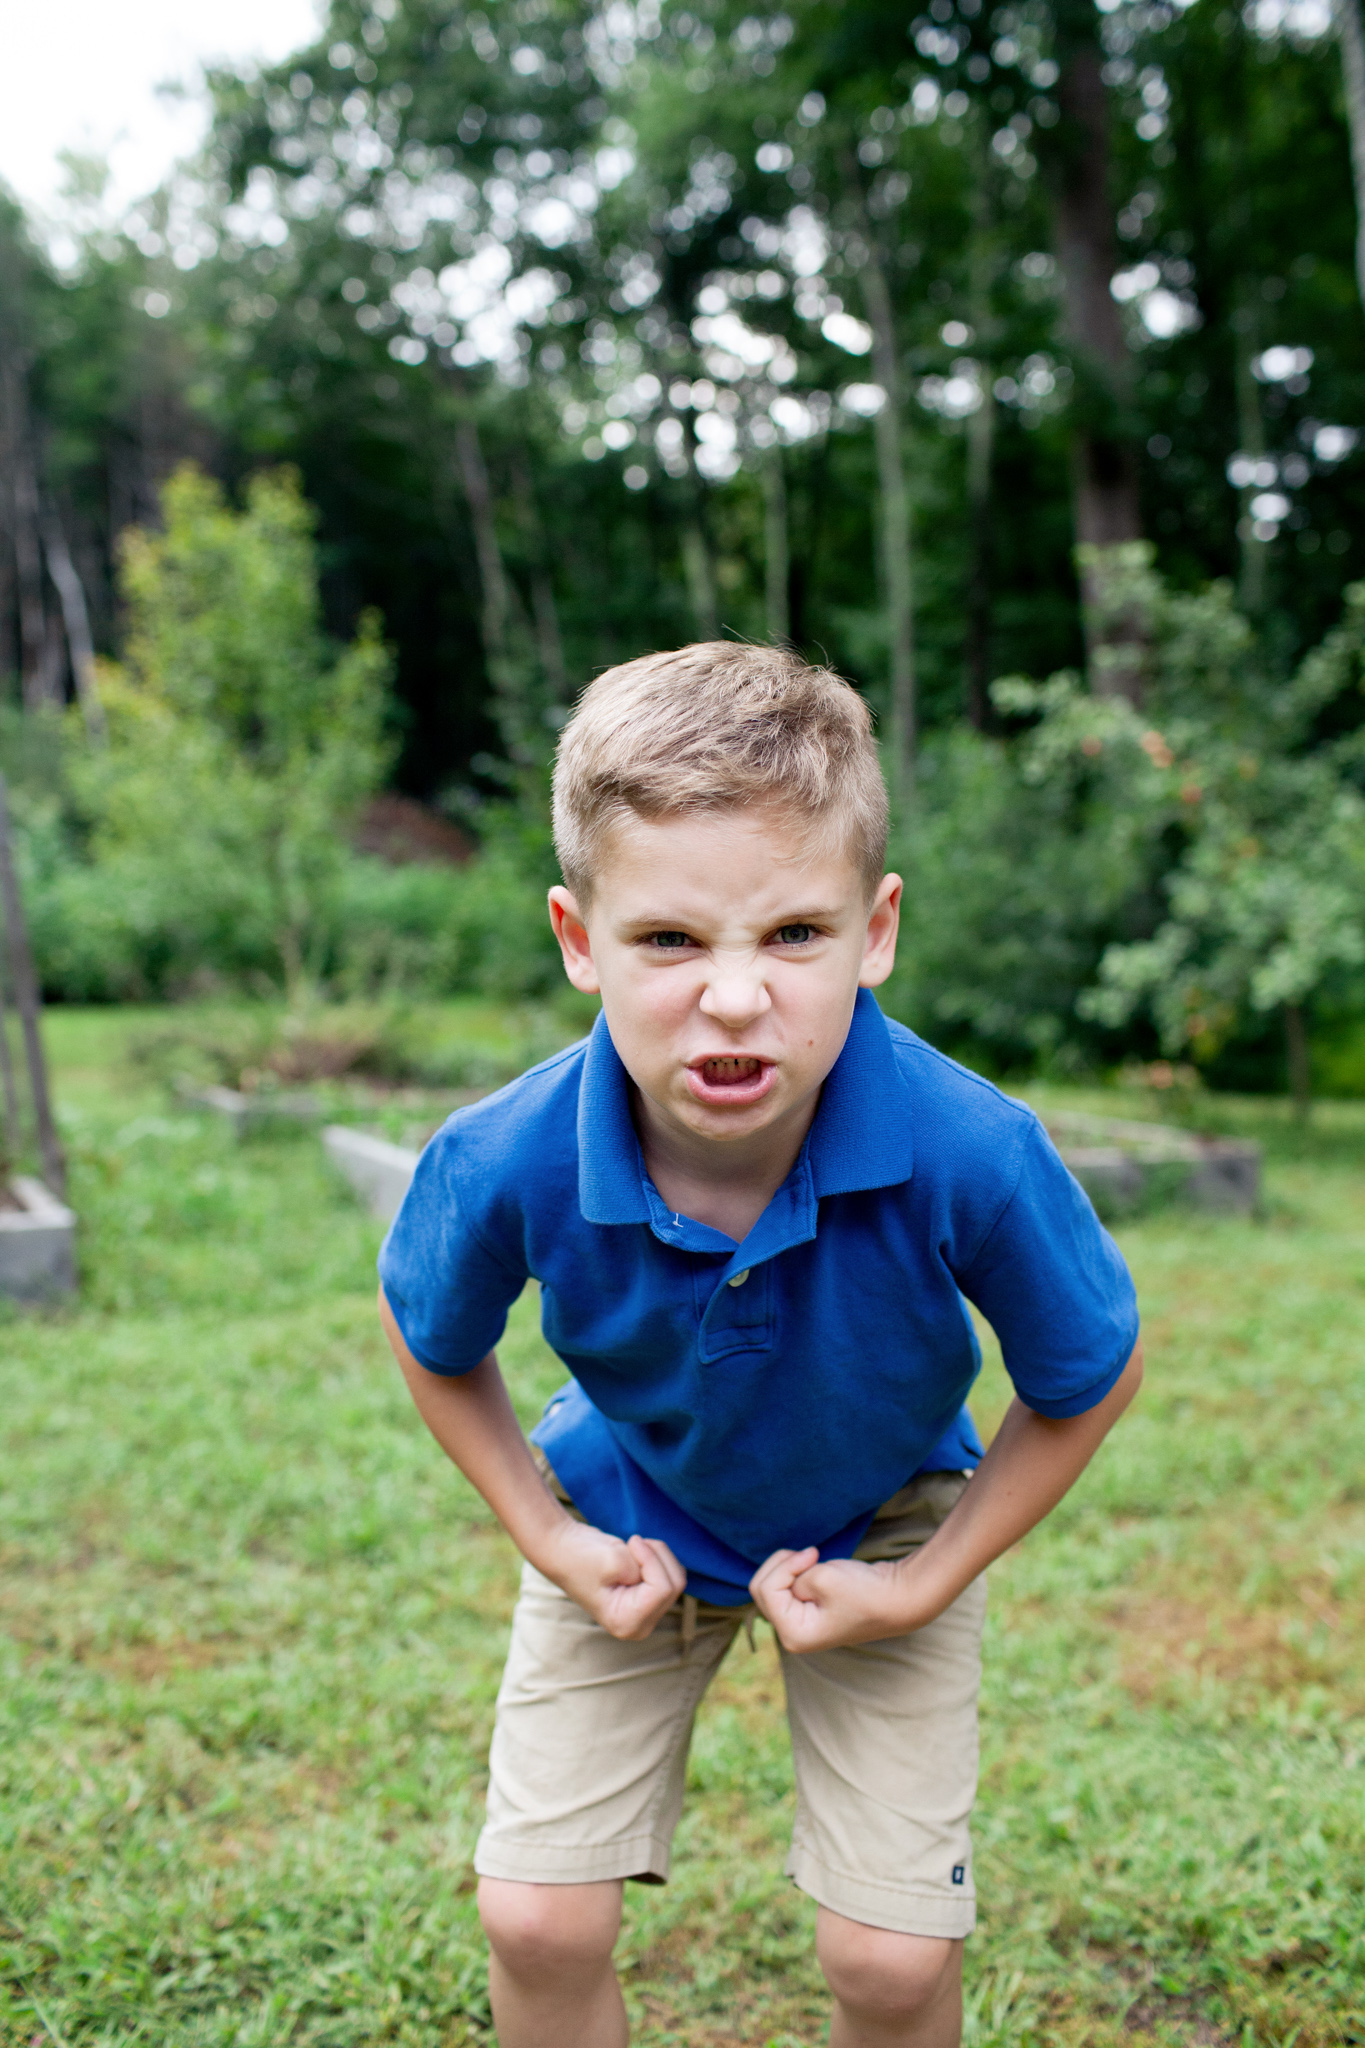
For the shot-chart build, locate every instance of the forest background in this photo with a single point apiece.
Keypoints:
(1010, 358)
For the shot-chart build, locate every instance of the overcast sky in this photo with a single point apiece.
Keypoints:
(82, 74)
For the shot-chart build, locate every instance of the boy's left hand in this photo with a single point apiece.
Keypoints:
(814, 1606)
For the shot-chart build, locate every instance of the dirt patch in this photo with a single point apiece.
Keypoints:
(1264, 1617)
(1169, 1641)
(148, 1662)
(1162, 2015)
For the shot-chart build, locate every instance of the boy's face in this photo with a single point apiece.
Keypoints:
(727, 958)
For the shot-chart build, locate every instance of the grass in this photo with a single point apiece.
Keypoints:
(251, 1629)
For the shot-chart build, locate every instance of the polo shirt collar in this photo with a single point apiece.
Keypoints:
(860, 1137)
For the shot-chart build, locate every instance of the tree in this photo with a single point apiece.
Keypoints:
(241, 746)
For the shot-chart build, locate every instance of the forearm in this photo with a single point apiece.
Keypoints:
(625, 1586)
(473, 1421)
(1032, 1462)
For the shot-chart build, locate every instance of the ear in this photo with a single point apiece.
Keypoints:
(571, 930)
(883, 924)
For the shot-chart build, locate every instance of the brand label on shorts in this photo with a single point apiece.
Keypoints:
(959, 1873)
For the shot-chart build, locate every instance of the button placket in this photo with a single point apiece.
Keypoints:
(737, 1317)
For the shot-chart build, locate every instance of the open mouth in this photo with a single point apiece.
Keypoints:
(730, 1078)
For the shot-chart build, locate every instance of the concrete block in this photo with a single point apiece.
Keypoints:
(248, 1114)
(37, 1244)
(378, 1171)
(1113, 1181)
(1124, 1166)
(1227, 1176)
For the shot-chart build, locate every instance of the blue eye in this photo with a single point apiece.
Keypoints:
(796, 934)
(669, 941)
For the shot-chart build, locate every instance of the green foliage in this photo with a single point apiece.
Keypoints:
(209, 834)
(1199, 863)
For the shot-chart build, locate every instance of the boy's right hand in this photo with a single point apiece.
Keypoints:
(624, 1586)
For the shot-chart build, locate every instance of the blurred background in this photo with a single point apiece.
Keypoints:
(397, 367)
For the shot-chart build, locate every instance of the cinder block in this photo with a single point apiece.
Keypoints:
(378, 1171)
(1227, 1176)
(250, 1113)
(37, 1244)
(1111, 1178)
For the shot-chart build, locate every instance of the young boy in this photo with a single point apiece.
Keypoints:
(754, 1207)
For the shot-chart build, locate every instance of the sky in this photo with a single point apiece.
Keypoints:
(83, 75)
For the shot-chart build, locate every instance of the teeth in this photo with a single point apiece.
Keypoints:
(731, 1069)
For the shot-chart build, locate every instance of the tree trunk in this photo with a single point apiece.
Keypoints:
(545, 612)
(776, 555)
(980, 448)
(76, 618)
(897, 563)
(1104, 462)
(1300, 1065)
(1251, 434)
(701, 583)
(28, 560)
(699, 571)
(500, 606)
(24, 983)
(1351, 36)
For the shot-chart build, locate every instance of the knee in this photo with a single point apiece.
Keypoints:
(884, 1977)
(550, 1932)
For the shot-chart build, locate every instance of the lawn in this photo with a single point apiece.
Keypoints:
(251, 1627)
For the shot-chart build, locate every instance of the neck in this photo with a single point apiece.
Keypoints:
(727, 1185)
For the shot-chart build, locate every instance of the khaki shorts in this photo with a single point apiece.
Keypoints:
(590, 1745)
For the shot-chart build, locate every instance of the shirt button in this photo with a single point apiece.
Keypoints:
(740, 1278)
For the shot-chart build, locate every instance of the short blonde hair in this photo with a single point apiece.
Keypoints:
(712, 727)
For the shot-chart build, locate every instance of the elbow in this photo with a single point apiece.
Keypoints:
(1130, 1379)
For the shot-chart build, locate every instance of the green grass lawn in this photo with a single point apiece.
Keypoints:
(251, 1628)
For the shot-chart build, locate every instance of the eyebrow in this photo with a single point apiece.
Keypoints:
(819, 914)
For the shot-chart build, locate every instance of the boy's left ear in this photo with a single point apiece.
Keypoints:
(883, 923)
(571, 931)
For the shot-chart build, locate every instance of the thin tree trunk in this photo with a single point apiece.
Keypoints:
(76, 618)
(24, 982)
(500, 603)
(897, 563)
(980, 446)
(1300, 1065)
(492, 576)
(1251, 434)
(1104, 461)
(1351, 35)
(13, 1132)
(776, 553)
(51, 684)
(699, 571)
(701, 582)
(980, 450)
(28, 560)
(549, 644)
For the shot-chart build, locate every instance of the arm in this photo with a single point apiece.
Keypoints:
(624, 1586)
(1031, 1463)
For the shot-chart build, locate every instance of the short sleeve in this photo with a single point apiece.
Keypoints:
(449, 1292)
(1053, 1286)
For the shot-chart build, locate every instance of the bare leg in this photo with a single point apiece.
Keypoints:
(890, 1990)
(549, 1974)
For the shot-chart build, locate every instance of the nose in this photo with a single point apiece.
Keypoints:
(736, 993)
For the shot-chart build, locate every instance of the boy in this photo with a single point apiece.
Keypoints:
(754, 1207)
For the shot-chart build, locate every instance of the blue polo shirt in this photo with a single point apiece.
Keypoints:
(738, 1399)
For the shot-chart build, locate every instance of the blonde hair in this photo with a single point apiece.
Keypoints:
(712, 727)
